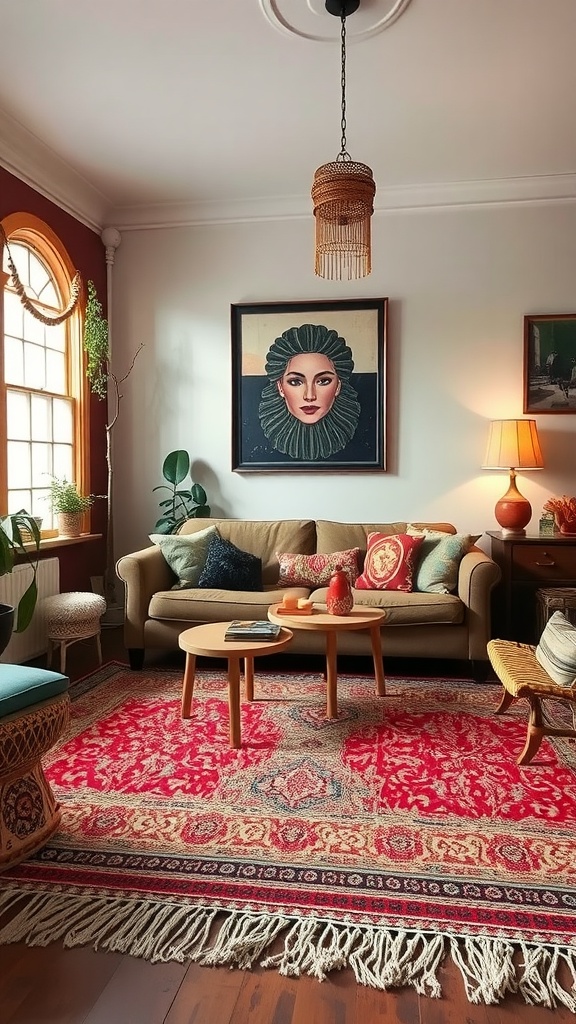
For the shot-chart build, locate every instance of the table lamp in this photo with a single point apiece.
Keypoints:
(512, 445)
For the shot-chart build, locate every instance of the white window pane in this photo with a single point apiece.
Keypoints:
(39, 276)
(63, 422)
(41, 507)
(19, 465)
(34, 330)
(18, 416)
(13, 361)
(20, 260)
(56, 372)
(41, 414)
(62, 461)
(55, 337)
(34, 366)
(41, 463)
(50, 296)
(18, 500)
(13, 315)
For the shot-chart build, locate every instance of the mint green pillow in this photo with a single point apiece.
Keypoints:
(185, 554)
(439, 561)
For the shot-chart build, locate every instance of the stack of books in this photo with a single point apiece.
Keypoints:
(255, 630)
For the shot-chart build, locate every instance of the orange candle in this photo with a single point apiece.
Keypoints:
(290, 601)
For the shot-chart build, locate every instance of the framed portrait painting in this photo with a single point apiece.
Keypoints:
(550, 363)
(309, 386)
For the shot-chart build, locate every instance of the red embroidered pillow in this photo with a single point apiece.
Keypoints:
(390, 562)
(316, 570)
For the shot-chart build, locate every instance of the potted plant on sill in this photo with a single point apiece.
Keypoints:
(15, 529)
(69, 505)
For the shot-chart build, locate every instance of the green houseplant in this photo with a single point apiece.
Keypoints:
(183, 502)
(14, 529)
(69, 505)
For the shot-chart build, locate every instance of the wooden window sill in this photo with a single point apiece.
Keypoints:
(49, 543)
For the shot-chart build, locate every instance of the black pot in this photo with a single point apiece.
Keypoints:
(6, 625)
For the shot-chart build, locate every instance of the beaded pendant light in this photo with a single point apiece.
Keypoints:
(343, 194)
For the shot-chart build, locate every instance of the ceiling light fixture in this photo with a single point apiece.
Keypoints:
(343, 194)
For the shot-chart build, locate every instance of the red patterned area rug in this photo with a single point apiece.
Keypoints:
(402, 833)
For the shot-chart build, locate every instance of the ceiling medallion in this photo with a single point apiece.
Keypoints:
(307, 18)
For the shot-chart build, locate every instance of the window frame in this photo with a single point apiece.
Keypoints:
(30, 230)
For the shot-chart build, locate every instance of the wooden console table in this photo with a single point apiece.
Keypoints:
(527, 564)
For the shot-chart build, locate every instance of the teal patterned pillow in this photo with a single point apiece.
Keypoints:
(439, 562)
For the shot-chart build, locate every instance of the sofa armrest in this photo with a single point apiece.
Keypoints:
(477, 577)
(144, 573)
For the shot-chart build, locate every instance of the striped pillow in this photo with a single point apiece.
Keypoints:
(556, 650)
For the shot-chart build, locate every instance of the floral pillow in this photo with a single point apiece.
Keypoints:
(315, 570)
(390, 562)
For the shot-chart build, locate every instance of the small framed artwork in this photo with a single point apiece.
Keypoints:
(550, 363)
(309, 386)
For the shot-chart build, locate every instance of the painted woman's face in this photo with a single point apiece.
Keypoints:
(309, 386)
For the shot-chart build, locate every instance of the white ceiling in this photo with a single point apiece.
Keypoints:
(119, 107)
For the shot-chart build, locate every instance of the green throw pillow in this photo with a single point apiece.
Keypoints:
(185, 554)
(439, 560)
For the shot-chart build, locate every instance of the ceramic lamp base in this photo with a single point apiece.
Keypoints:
(513, 512)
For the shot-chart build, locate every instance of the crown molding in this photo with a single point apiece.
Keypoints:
(498, 191)
(25, 156)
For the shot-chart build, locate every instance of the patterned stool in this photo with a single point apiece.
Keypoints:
(34, 710)
(71, 617)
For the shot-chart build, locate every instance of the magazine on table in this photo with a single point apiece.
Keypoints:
(259, 629)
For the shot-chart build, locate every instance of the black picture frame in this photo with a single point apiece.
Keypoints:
(345, 375)
(550, 363)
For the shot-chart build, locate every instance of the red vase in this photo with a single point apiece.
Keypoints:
(339, 599)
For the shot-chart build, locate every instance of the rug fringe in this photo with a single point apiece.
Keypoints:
(379, 957)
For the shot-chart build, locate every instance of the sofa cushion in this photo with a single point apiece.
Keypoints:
(264, 538)
(334, 536)
(229, 568)
(215, 605)
(390, 562)
(407, 609)
(185, 555)
(556, 650)
(439, 559)
(316, 570)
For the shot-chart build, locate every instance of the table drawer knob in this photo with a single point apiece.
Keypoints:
(548, 563)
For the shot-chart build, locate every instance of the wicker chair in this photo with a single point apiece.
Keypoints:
(522, 675)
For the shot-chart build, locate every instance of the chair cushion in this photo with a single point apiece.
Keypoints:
(21, 687)
(556, 650)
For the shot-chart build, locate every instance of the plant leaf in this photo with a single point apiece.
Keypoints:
(26, 607)
(199, 494)
(176, 466)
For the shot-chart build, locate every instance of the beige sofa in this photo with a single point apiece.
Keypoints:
(420, 625)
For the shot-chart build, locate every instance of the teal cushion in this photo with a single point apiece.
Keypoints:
(21, 687)
(185, 554)
(439, 560)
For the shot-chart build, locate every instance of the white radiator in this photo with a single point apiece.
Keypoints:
(32, 642)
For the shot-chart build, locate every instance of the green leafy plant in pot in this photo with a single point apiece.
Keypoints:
(183, 502)
(16, 531)
(69, 505)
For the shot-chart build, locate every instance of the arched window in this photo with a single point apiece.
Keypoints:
(43, 396)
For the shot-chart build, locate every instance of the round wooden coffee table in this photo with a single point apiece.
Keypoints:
(331, 625)
(209, 641)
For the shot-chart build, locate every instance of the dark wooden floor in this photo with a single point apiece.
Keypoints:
(51, 985)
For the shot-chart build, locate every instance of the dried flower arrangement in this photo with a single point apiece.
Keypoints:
(564, 512)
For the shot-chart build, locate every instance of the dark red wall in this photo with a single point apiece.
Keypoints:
(77, 561)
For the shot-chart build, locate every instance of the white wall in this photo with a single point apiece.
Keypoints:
(459, 281)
